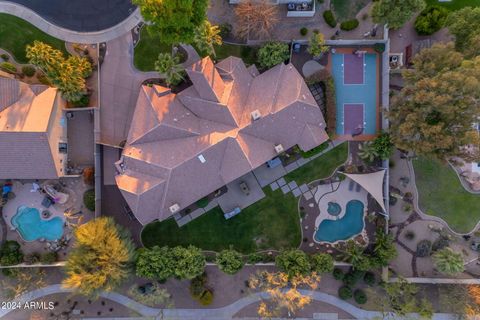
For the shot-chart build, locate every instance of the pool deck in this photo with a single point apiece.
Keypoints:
(349, 50)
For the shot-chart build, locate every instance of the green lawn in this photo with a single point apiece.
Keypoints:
(271, 223)
(455, 4)
(347, 9)
(16, 33)
(322, 167)
(147, 50)
(442, 195)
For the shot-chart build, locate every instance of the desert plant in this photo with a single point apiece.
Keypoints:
(440, 243)
(369, 278)
(349, 25)
(88, 175)
(345, 292)
(169, 66)
(424, 248)
(367, 151)
(338, 274)
(303, 31)
(272, 53)
(409, 235)
(329, 18)
(448, 261)
(29, 71)
(359, 296)
(89, 199)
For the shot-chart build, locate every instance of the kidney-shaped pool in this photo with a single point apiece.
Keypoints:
(32, 227)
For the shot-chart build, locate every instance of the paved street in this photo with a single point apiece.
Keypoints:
(81, 15)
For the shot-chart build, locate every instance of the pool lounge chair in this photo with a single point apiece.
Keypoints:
(350, 185)
(358, 188)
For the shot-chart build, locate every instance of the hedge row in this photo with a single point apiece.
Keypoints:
(349, 25)
(330, 18)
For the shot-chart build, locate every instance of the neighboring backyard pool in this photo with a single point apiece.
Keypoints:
(351, 224)
(32, 227)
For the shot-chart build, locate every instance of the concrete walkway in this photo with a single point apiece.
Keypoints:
(69, 35)
(226, 312)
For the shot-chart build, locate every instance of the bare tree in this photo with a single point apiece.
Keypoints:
(255, 18)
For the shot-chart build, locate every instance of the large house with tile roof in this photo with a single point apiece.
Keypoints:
(182, 147)
(33, 131)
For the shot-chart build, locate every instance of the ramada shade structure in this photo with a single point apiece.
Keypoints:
(372, 182)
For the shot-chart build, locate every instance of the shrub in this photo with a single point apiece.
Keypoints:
(5, 56)
(225, 29)
(202, 203)
(197, 285)
(365, 16)
(322, 262)
(338, 274)
(89, 199)
(88, 175)
(10, 253)
(349, 25)
(293, 262)
(369, 278)
(359, 296)
(48, 258)
(379, 47)
(430, 20)
(352, 277)
(32, 258)
(345, 292)
(8, 67)
(303, 31)
(424, 248)
(329, 18)
(272, 53)
(230, 261)
(82, 102)
(254, 258)
(409, 235)
(441, 243)
(43, 79)
(206, 298)
(29, 71)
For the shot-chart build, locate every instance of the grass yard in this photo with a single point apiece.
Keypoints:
(16, 34)
(455, 4)
(442, 195)
(147, 49)
(347, 9)
(246, 53)
(322, 167)
(271, 223)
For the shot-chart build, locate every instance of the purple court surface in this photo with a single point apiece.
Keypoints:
(353, 118)
(353, 69)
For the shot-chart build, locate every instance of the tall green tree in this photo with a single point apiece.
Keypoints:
(448, 261)
(293, 263)
(68, 75)
(189, 262)
(322, 262)
(272, 53)
(464, 24)
(169, 66)
(230, 261)
(155, 263)
(434, 112)
(316, 45)
(402, 297)
(206, 37)
(395, 13)
(174, 20)
(101, 257)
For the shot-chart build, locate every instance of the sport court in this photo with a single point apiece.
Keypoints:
(355, 76)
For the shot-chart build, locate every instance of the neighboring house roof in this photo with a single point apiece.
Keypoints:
(181, 147)
(25, 117)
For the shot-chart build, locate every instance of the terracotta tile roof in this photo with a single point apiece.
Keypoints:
(182, 147)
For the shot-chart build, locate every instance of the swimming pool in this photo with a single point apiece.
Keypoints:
(31, 227)
(356, 92)
(349, 225)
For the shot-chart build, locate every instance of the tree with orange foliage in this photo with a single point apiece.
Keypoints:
(472, 308)
(256, 18)
(283, 291)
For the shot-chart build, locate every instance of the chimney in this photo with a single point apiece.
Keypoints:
(206, 80)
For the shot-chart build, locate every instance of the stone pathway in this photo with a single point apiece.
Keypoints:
(69, 35)
(226, 312)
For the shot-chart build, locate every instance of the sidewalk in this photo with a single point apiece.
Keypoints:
(69, 35)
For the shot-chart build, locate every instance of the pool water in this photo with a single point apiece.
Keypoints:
(351, 224)
(32, 227)
(334, 209)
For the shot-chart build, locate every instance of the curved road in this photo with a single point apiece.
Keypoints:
(81, 15)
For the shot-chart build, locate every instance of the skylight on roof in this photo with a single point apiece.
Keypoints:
(202, 158)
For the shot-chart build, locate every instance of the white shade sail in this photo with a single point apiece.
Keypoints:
(372, 182)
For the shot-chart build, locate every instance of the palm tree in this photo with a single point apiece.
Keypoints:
(367, 151)
(206, 36)
(169, 66)
(448, 261)
(352, 253)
